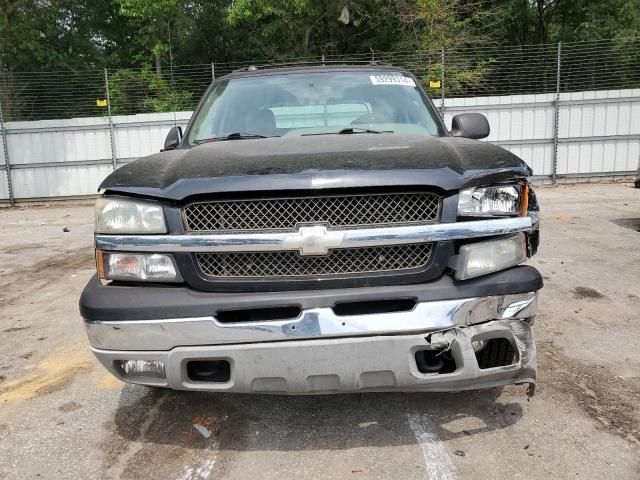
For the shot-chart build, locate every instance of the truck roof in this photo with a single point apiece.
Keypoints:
(256, 70)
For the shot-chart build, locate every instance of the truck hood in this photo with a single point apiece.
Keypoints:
(321, 161)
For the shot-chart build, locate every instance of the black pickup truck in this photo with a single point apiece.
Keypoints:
(317, 230)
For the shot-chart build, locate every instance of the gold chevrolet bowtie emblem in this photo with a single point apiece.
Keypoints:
(316, 240)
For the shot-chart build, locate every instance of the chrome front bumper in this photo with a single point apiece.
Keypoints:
(310, 324)
(381, 363)
(320, 352)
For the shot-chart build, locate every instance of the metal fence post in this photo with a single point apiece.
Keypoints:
(442, 59)
(213, 72)
(114, 158)
(7, 163)
(556, 120)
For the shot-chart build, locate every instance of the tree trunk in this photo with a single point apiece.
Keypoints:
(541, 23)
(307, 36)
(158, 64)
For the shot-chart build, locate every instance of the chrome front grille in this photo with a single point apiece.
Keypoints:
(347, 261)
(334, 211)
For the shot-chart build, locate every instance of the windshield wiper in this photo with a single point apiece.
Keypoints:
(242, 136)
(352, 130)
(349, 131)
(232, 136)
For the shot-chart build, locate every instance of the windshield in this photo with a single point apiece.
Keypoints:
(323, 103)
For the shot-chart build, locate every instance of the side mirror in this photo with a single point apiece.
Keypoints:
(174, 137)
(470, 125)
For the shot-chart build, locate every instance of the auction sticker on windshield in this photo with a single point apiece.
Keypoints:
(392, 80)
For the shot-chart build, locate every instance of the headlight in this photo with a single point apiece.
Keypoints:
(117, 215)
(137, 267)
(497, 200)
(491, 256)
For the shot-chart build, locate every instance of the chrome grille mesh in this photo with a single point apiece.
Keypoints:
(248, 265)
(285, 214)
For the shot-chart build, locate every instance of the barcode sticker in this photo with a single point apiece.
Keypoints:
(392, 80)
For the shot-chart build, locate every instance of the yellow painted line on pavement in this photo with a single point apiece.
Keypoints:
(54, 373)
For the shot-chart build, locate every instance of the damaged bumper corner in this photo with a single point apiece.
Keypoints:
(482, 368)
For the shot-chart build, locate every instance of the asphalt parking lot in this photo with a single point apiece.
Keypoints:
(63, 416)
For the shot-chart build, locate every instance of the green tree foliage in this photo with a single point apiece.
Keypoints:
(153, 19)
(289, 28)
(143, 91)
(277, 24)
(84, 35)
(64, 35)
(549, 21)
(73, 34)
(433, 25)
(54, 35)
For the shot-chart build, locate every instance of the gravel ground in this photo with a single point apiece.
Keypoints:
(63, 416)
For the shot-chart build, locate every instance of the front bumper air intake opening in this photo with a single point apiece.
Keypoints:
(286, 312)
(435, 361)
(497, 352)
(347, 309)
(213, 371)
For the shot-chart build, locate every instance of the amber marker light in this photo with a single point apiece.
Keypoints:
(525, 199)
(100, 264)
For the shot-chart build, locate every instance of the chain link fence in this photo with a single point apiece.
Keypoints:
(463, 72)
(449, 75)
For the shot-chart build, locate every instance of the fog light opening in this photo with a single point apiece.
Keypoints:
(497, 352)
(216, 371)
(435, 361)
(141, 368)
